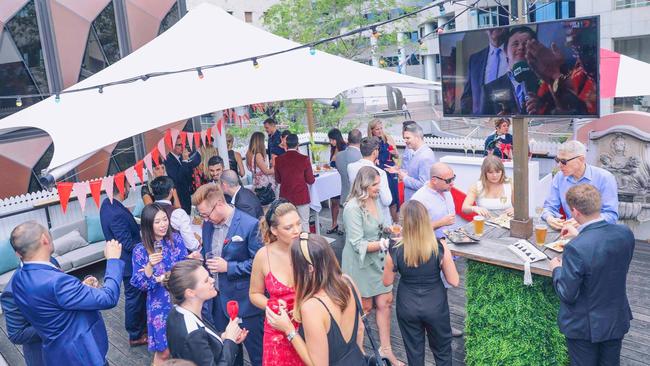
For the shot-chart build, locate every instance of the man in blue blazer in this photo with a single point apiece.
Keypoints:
(232, 236)
(63, 311)
(180, 165)
(484, 67)
(243, 199)
(118, 224)
(19, 330)
(590, 280)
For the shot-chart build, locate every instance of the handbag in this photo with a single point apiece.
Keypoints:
(265, 194)
(375, 358)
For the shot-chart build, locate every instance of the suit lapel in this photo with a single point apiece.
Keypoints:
(234, 225)
(481, 69)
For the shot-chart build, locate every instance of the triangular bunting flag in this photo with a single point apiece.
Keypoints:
(168, 139)
(107, 185)
(220, 125)
(138, 170)
(64, 189)
(203, 137)
(183, 138)
(161, 149)
(148, 163)
(208, 136)
(155, 155)
(197, 140)
(175, 133)
(96, 190)
(129, 173)
(119, 182)
(81, 190)
(190, 139)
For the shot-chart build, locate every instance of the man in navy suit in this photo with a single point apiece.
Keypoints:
(118, 224)
(19, 330)
(180, 165)
(242, 198)
(590, 280)
(484, 67)
(232, 236)
(63, 311)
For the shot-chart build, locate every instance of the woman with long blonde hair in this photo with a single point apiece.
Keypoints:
(272, 275)
(421, 301)
(258, 162)
(493, 192)
(365, 218)
(387, 155)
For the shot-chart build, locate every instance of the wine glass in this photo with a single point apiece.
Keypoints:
(157, 246)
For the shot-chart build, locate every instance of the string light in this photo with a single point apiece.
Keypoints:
(144, 77)
(19, 102)
(200, 72)
(375, 34)
(57, 98)
(312, 51)
(255, 63)
(440, 30)
(100, 89)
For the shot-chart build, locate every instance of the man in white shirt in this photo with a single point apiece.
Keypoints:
(369, 153)
(436, 197)
(162, 190)
(417, 160)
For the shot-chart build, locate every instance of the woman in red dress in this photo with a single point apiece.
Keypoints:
(272, 274)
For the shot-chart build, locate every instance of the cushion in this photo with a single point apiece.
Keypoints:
(65, 262)
(79, 225)
(69, 242)
(8, 259)
(94, 229)
(89, 254)
(4, 279)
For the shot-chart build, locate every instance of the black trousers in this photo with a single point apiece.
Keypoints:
(420, 316)
(585, 353)
(135, 310)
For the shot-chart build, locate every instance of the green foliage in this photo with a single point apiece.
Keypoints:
(243, 134)
(508, 323)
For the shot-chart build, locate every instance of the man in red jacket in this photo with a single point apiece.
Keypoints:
(293, 173)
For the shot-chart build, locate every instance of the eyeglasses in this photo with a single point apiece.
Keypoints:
(206, 217)
(565, 161)
(448, 180)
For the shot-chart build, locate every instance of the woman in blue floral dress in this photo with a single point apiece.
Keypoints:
(159, 251)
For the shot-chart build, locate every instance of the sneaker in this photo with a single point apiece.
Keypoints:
(456, 332)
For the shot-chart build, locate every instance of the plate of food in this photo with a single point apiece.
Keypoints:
(502, 220)
(461, 236)
(557, 245)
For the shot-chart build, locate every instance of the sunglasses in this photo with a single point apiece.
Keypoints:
(448, 180)
(565, 161)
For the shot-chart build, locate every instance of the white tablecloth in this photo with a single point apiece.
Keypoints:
(327, 185)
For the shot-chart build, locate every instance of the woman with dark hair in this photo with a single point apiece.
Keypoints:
(190, 337)
(421, 304)
(331, 332)
(337, 144)
(272, 275)
(152, 259)
(500, 142)
(387, 154)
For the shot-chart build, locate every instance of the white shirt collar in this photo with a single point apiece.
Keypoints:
(581, 227)
(493, 49)
(192, 322)
(234, 196)
(164, 201)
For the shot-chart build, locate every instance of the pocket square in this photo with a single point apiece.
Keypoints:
(237, 238)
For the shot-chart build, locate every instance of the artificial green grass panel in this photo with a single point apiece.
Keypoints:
(508, 323)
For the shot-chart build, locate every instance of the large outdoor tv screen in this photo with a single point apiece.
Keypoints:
(532, 70)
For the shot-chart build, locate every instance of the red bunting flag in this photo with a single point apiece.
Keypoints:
(138, 170)
(64, 189)
(119, 182)
(197, 140)
(208, 136)
(220, 125)
(155, 155)
(183, 138)
(168, 139)
(96, 190)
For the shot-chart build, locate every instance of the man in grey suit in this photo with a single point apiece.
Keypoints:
(345, 157)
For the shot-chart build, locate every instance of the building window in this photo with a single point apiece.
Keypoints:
(22, 67)
(173, 15)
(43, 163)
(637, 48)
(229, 12)
(248, 16)
(492, 17)
(123, 156)
(552, 10)
(102, 48)
(624, 4)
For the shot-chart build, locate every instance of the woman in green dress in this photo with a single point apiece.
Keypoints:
(364, 218)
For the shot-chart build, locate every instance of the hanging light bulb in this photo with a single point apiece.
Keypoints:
(19, 102)
(144, 77)
(375, 34)
(200, 72)
(312, 51)
(440, 30)
(100, 89)
(57, 97)
(255, 63)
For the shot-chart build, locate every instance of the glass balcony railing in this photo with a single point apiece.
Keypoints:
(624, 4)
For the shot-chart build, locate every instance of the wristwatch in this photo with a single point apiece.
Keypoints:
(292, 335)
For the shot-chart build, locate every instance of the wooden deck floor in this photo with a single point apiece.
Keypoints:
(636, 345)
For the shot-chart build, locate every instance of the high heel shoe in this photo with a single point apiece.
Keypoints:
(334, 230)
(387, 352)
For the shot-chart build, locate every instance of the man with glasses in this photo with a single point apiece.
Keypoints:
(416, 162)
(574, 170)
(180, 164)
(231, 238)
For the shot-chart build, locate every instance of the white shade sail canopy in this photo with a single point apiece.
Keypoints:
(84, 122)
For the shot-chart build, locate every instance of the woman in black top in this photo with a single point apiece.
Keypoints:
(421, 303)
(189, 336)
(234, 158)
(331, 332)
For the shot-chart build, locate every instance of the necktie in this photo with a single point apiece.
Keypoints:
(494, 72)
(521, 96)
